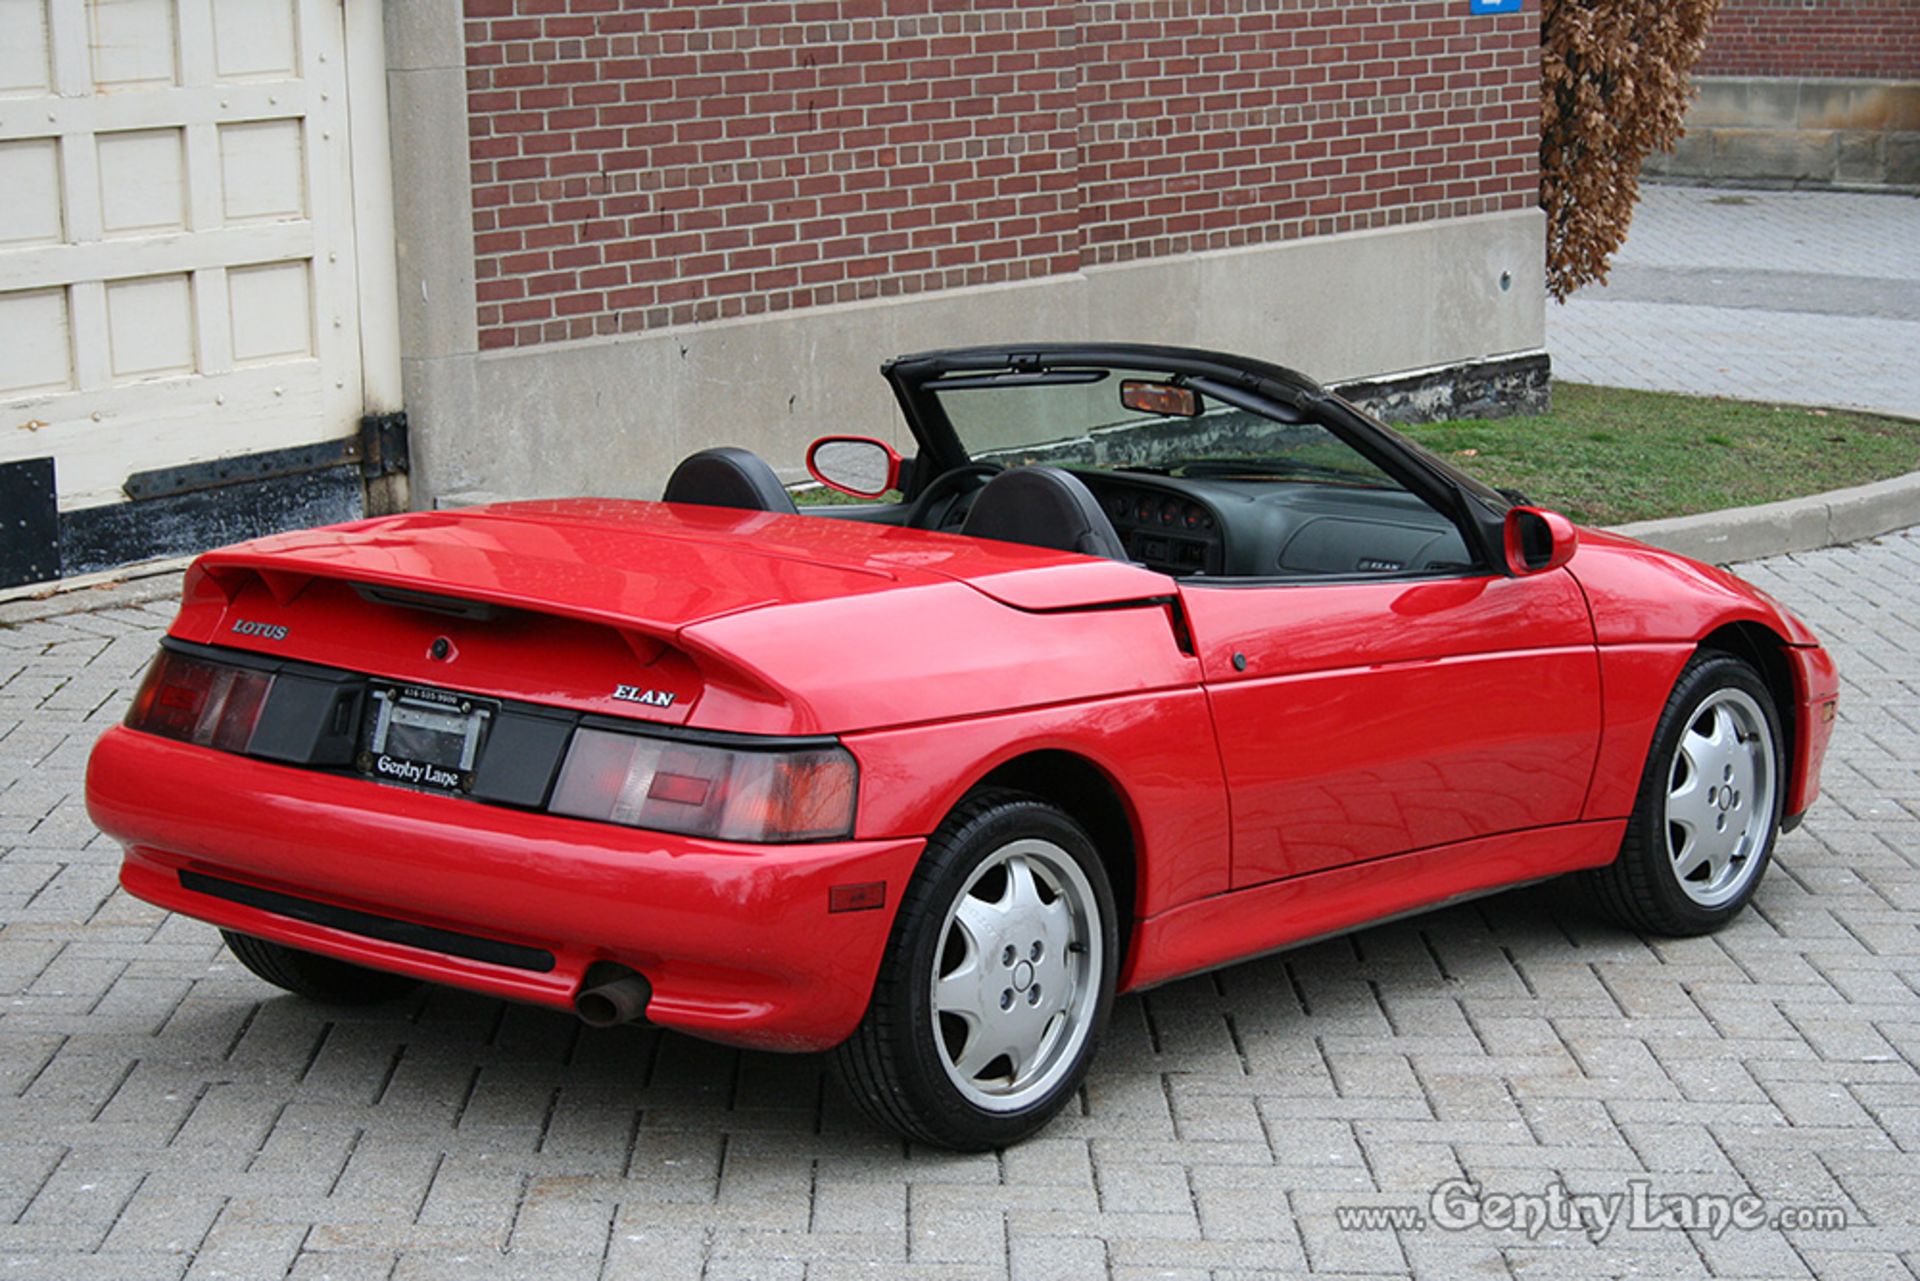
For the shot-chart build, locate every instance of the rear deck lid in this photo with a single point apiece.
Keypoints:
(554, 603)
(588, 604)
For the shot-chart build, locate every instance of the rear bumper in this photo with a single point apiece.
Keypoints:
(736, 940)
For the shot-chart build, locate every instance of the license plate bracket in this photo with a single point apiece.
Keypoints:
(423, 737)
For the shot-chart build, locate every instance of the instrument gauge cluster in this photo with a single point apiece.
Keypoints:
(1170, 532)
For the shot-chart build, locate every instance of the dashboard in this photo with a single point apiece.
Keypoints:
(1163, 527)
(1274, 528)
(1254, 528)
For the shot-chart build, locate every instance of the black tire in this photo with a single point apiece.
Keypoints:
(1644, 888)
(318, 978)
(908, 1066)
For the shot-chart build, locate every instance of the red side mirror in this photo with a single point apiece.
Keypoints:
(857, 465)
(1538, 540)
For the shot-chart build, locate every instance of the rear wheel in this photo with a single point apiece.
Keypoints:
(319, 978)
(996, 983)
(1708, 811)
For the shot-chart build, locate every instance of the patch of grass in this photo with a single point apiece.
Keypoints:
(1606, 455)
(815, 495)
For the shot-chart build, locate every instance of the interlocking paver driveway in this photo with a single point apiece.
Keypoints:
(1808, 297)
(163, 1114)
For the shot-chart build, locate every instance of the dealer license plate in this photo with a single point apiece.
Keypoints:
(424, 737)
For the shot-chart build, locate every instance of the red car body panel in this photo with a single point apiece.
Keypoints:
(1228, 927)
(1064, 656)
(1642, 594)
(1651, 609)
(737, 941)
(704, 604)
(1634, 680)
(1476, 712)
(1817, 683)
(1154, 749)
(1291, 760)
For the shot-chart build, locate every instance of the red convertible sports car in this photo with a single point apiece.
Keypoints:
(1148, 661)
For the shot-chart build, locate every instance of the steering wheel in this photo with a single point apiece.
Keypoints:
(944, 503)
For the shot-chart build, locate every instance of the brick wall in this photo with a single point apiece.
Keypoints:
(1877, 39)
(641, 167)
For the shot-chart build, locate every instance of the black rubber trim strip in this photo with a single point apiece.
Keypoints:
(622, 724)
(1100, 607)
(709, 737)
(256, 661)
(427, 938)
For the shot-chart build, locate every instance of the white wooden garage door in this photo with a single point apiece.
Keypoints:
(177, 275)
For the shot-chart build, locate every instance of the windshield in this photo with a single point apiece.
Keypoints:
(1075, 418)
(1489, 497)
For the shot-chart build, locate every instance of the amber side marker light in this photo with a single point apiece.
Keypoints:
(863, 897)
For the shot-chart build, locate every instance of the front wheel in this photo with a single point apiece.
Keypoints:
(1708, 811)
(996, 982)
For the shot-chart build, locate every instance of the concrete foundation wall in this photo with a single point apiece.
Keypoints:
(613, 416)
(1799, 131)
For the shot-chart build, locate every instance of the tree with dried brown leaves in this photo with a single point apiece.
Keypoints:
(1616, 88)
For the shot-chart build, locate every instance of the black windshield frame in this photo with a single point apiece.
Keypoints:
(1284, 394)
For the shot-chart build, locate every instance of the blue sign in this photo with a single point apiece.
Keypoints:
(1495, 6)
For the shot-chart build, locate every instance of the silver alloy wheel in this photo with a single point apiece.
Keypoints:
(1720, 797)
(1016, 978)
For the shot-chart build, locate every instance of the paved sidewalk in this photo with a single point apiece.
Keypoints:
(1795, 296)
(163, 1114)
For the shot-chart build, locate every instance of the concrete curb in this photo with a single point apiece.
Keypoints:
(124, 588)
(1791, 525)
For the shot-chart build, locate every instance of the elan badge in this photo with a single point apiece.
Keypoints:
(645, 697)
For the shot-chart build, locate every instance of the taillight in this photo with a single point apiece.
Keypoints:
(697, 789)
(190, 699)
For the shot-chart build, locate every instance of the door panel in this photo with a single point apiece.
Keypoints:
(1376, 718)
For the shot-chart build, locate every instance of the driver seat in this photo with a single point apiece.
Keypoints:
(1043, 507)
(728, 476)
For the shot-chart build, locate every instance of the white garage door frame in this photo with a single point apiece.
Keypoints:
(209, 274)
